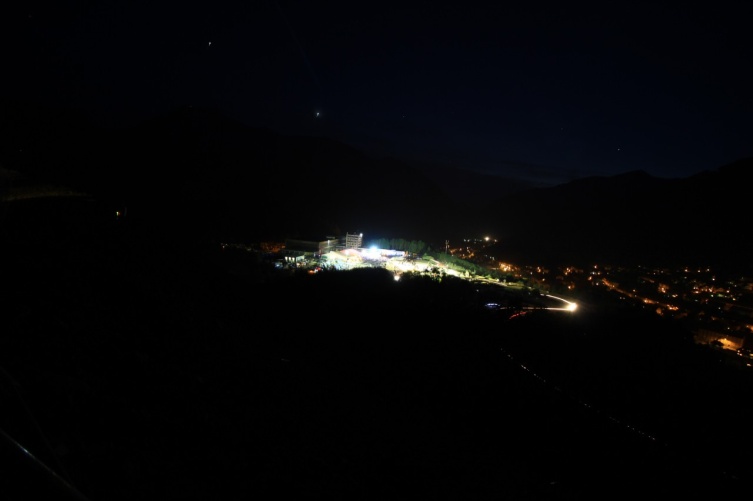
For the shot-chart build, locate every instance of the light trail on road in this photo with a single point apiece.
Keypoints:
(571, 306)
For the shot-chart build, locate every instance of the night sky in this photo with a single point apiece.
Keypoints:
(542, 91)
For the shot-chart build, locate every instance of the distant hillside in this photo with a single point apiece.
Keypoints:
(212, 176)
(469, 188)
(630, 218)
(194, 175)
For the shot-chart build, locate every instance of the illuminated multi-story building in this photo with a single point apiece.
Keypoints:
(353, 240)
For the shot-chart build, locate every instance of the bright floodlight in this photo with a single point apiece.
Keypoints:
(572, 306)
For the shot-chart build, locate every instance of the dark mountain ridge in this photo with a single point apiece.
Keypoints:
(633, 218)
(199, 170)
(471, 188)
(194, 174)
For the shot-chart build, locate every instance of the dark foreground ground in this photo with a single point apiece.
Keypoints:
(136, 366)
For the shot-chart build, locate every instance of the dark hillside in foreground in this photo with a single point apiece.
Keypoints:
(139, 373)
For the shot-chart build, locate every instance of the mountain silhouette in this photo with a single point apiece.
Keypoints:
(197, 170)
(632, 218)
(195, 174)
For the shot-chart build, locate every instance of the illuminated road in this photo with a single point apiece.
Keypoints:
(563, 304)
(568, 305)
